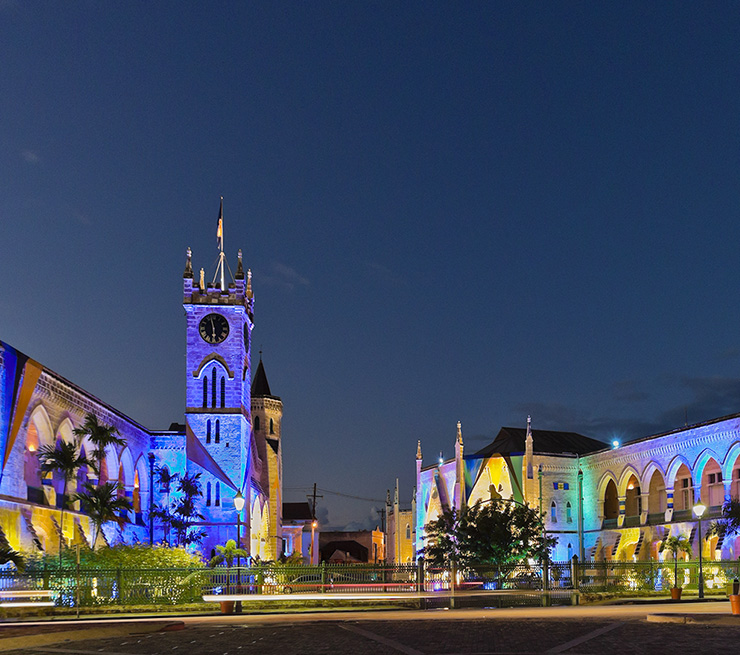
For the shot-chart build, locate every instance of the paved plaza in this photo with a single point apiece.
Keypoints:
(583, 631)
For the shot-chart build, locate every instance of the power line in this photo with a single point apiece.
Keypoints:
(335, 493)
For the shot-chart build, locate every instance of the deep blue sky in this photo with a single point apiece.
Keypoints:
(467, 211)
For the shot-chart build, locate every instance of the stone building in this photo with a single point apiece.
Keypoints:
(598, 501)
(231, 434)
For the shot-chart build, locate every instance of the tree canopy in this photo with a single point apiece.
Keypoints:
(501, 532)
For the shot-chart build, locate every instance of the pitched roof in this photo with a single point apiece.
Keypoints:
(297, 512)
(512, 440)
(260, 385)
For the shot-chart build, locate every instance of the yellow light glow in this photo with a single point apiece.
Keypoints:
(32, 449)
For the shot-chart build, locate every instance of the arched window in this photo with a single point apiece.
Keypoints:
(553, 512)
(256, 423)
(570, 551)
(408, 531)
(205, 391)
(208, 431)
(208, 494)
(568, 513)
(137, 494)
(223, 391)
(213, 387)
(272, 427)
(218, 431)
(217, 503)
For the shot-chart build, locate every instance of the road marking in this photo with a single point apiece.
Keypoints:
(46, 649)
(381, 640)
(587, 637)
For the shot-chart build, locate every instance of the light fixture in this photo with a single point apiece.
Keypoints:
(699, 509)
(615, 443)
(630, 486)
(239, 501)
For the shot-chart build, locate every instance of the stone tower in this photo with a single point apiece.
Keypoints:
(267, 414)
(219, 326)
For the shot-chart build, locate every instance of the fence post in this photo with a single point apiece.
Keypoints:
(323, 577)
(575, 577)
(119, 584)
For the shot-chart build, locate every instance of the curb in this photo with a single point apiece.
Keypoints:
(706, 619)
(105, 631)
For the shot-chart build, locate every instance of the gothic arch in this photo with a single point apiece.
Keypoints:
(142, 469)
(730, 458)
(41, 422)
(701, 462)
(605, 479)
(627, 473)
(652, 467)
(670, 477)
(65, 431)
(210, 358)
(126, 466)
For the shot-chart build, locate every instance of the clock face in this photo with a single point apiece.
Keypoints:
(213, 328)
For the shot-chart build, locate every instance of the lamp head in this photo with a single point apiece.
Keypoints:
(699, 509)
(239, 501)
(615, 443)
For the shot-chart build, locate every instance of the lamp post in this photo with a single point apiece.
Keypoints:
(699, 510)
(311, 548)
(238, 506)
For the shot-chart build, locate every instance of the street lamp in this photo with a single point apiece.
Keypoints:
(311, 549)
(238, 506)
(699, 510)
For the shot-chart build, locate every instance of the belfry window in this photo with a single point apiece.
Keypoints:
(223, 391)
(217, 503)
(218, 431)
(568, 513)
(208, 431)
(272, 427)
(553, 512)
(205, 391)
(256, 423)
(408, 531)
(213, 387)
(208, 494)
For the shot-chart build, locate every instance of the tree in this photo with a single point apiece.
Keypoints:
(103, 504)
(63, 458)
(101, 436)
(729, 524)
(501, 532)
(184, 512)
(673, 545)
(7, 555)
(226, 554)
(163, 514)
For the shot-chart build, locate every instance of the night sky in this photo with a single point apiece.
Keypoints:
(452, 211)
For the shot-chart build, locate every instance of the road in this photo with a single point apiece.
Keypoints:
(586, 630)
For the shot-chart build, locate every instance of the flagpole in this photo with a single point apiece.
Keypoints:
(222, 246)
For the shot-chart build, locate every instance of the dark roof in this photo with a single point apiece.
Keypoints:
(356, 550)
(177, 427)
(297, 512)
(260, 385)
(511, 440)
(273, 443)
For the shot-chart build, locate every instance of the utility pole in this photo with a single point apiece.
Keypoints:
(382, 519)
(313, 504)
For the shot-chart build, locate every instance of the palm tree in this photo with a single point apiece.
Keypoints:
(63, 458)
(103, 504)
(729, 524)
(185, 512)
(163, 514)
(227, 554)
(673, 545)
(101, 436)
(7, 554)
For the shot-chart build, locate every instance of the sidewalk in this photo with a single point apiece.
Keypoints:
(28, 634)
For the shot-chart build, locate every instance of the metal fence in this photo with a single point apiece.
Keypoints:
(172, 587)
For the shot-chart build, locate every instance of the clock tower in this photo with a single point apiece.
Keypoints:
(217, 415)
